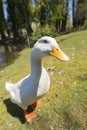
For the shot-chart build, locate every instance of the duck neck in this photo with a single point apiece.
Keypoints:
(36, 67)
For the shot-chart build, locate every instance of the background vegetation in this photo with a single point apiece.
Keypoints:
(45, 16)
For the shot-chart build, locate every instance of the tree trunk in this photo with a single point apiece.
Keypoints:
(42, 16)
(12, 13)
(73, 12)
(27, 20)
(2, 21)
(63, 25)
(58, 25)
(64, 19)
(79, 12)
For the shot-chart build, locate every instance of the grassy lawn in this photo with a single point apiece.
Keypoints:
(64, 107)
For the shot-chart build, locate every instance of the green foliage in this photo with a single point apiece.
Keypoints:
(41, 12)
(85, 24)
(56, 10)
(68, 26)
(54, 13)
(43, 31)
(80, 13)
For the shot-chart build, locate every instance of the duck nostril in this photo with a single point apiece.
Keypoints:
(57, 49)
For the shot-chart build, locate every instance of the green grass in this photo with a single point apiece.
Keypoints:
(64, 107)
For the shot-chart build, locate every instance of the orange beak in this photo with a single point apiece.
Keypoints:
(59, 54)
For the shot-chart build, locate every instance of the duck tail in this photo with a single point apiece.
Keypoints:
(8, 86)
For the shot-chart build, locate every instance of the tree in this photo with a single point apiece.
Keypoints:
(12, 16)
(54, 19)
(41, 12)
(27, 16)
(65, 15)
(73, 11)
(2, 21)
(19, 14)
(58, 12)
(79, 12)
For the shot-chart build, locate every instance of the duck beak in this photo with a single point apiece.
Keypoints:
(56, 52)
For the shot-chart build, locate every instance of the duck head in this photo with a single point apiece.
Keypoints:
(48, 46)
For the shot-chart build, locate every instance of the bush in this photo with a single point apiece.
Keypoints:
(43, 31)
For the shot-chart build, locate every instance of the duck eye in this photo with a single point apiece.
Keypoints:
(45, 41)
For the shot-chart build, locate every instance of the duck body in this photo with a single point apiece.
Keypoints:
(32, 87)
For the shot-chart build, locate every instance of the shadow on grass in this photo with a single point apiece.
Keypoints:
(14, 110)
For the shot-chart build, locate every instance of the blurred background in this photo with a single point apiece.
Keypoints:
(22, 22)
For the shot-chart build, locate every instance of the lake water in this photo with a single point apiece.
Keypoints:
(5, 55)
(10, 53)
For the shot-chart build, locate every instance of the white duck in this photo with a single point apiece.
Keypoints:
(28, 90)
